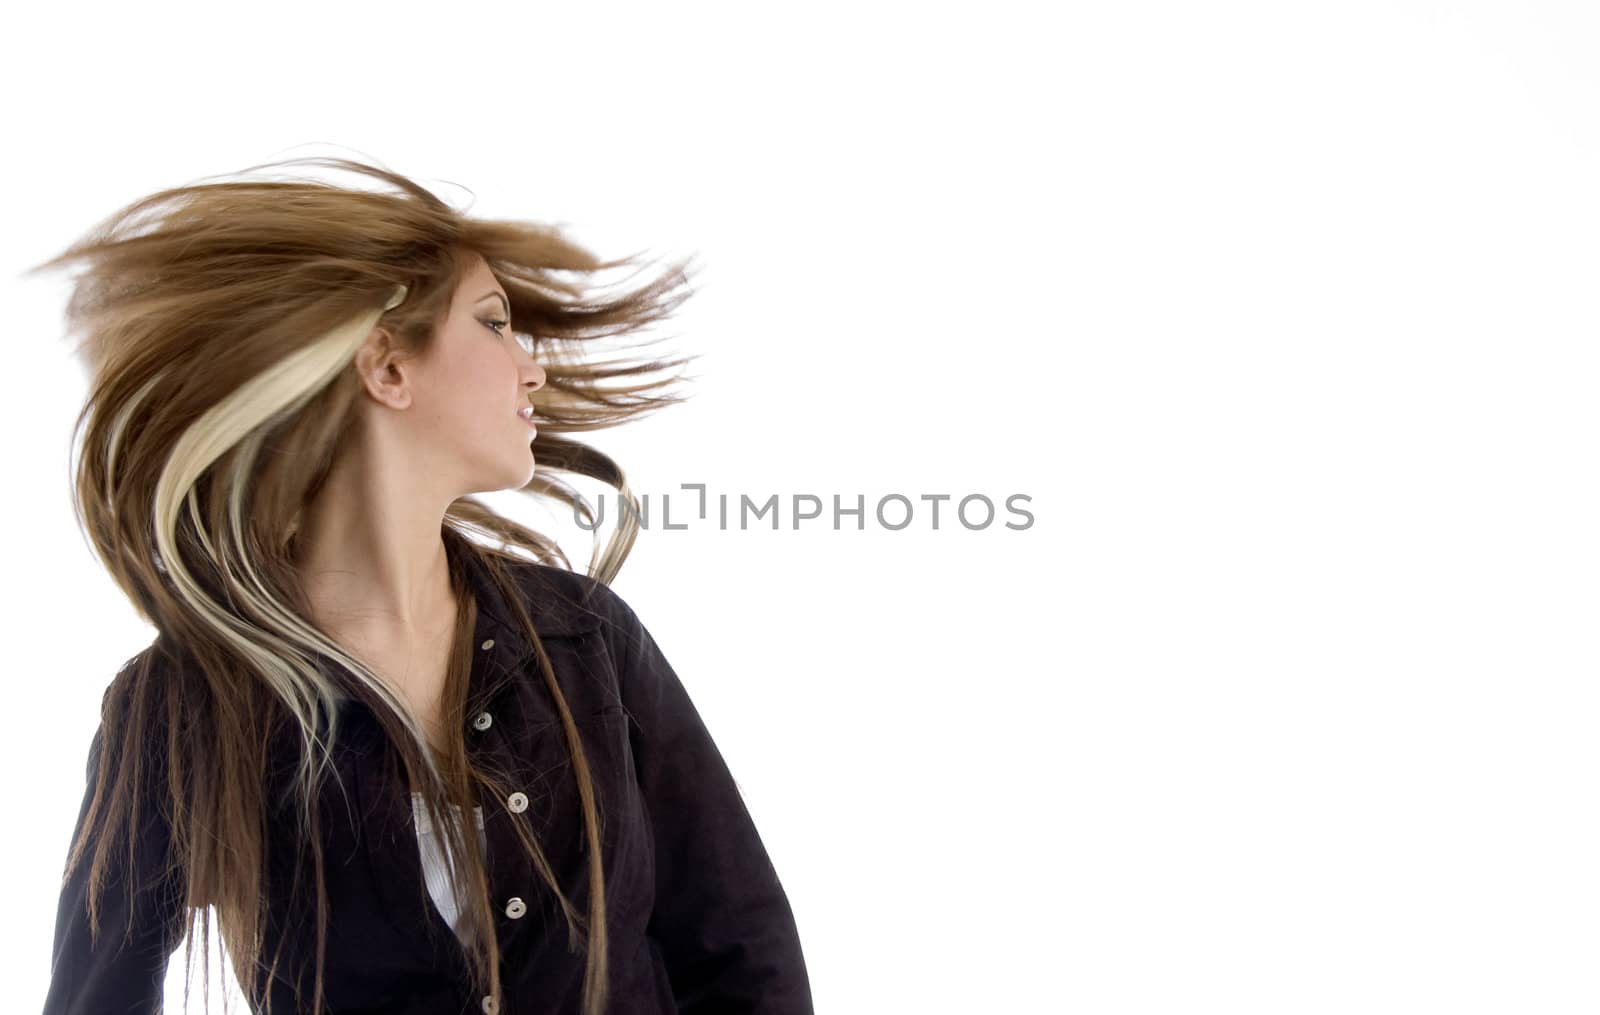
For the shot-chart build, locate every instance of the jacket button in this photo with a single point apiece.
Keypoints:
(489, 644)
(515, 908)
(482, 721)
(518, 802)
(489, 1005)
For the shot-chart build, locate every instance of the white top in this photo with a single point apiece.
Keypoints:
(435, 861)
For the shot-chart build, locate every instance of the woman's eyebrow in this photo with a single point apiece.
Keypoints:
(499, 297)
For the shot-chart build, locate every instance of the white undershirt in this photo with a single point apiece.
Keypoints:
(436, 865)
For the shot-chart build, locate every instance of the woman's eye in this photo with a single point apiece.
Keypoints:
(526, 341)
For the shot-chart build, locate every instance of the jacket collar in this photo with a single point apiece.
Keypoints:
(559, 602)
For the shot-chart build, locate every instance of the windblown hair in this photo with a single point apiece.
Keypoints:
(219, 322)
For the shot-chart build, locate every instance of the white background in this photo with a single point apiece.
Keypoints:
(1283, 316)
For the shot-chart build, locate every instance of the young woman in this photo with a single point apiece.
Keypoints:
(407, 770)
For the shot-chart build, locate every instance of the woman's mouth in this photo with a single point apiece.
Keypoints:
(526, 412)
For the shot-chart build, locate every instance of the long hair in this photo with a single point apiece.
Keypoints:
(219, 321)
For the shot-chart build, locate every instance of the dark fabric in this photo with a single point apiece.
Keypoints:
(698, 919)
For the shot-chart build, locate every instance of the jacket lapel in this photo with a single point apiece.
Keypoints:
(502, 660)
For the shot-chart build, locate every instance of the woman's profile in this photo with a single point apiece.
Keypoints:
(404, 755)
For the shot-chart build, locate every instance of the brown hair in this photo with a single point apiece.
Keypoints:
(219, 321)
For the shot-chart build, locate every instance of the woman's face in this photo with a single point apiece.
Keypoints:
(463, 418)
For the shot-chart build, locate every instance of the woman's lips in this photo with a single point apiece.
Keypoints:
(526, 412)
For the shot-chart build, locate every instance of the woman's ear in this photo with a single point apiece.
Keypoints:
(384, 369)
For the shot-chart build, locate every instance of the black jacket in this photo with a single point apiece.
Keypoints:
(698, 920)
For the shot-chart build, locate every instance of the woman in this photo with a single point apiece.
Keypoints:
(408, 771)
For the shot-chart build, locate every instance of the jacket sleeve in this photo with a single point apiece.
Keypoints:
(721, 919)
(121, 970)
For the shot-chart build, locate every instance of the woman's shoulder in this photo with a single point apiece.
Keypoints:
(141, 677)
(133, 717)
